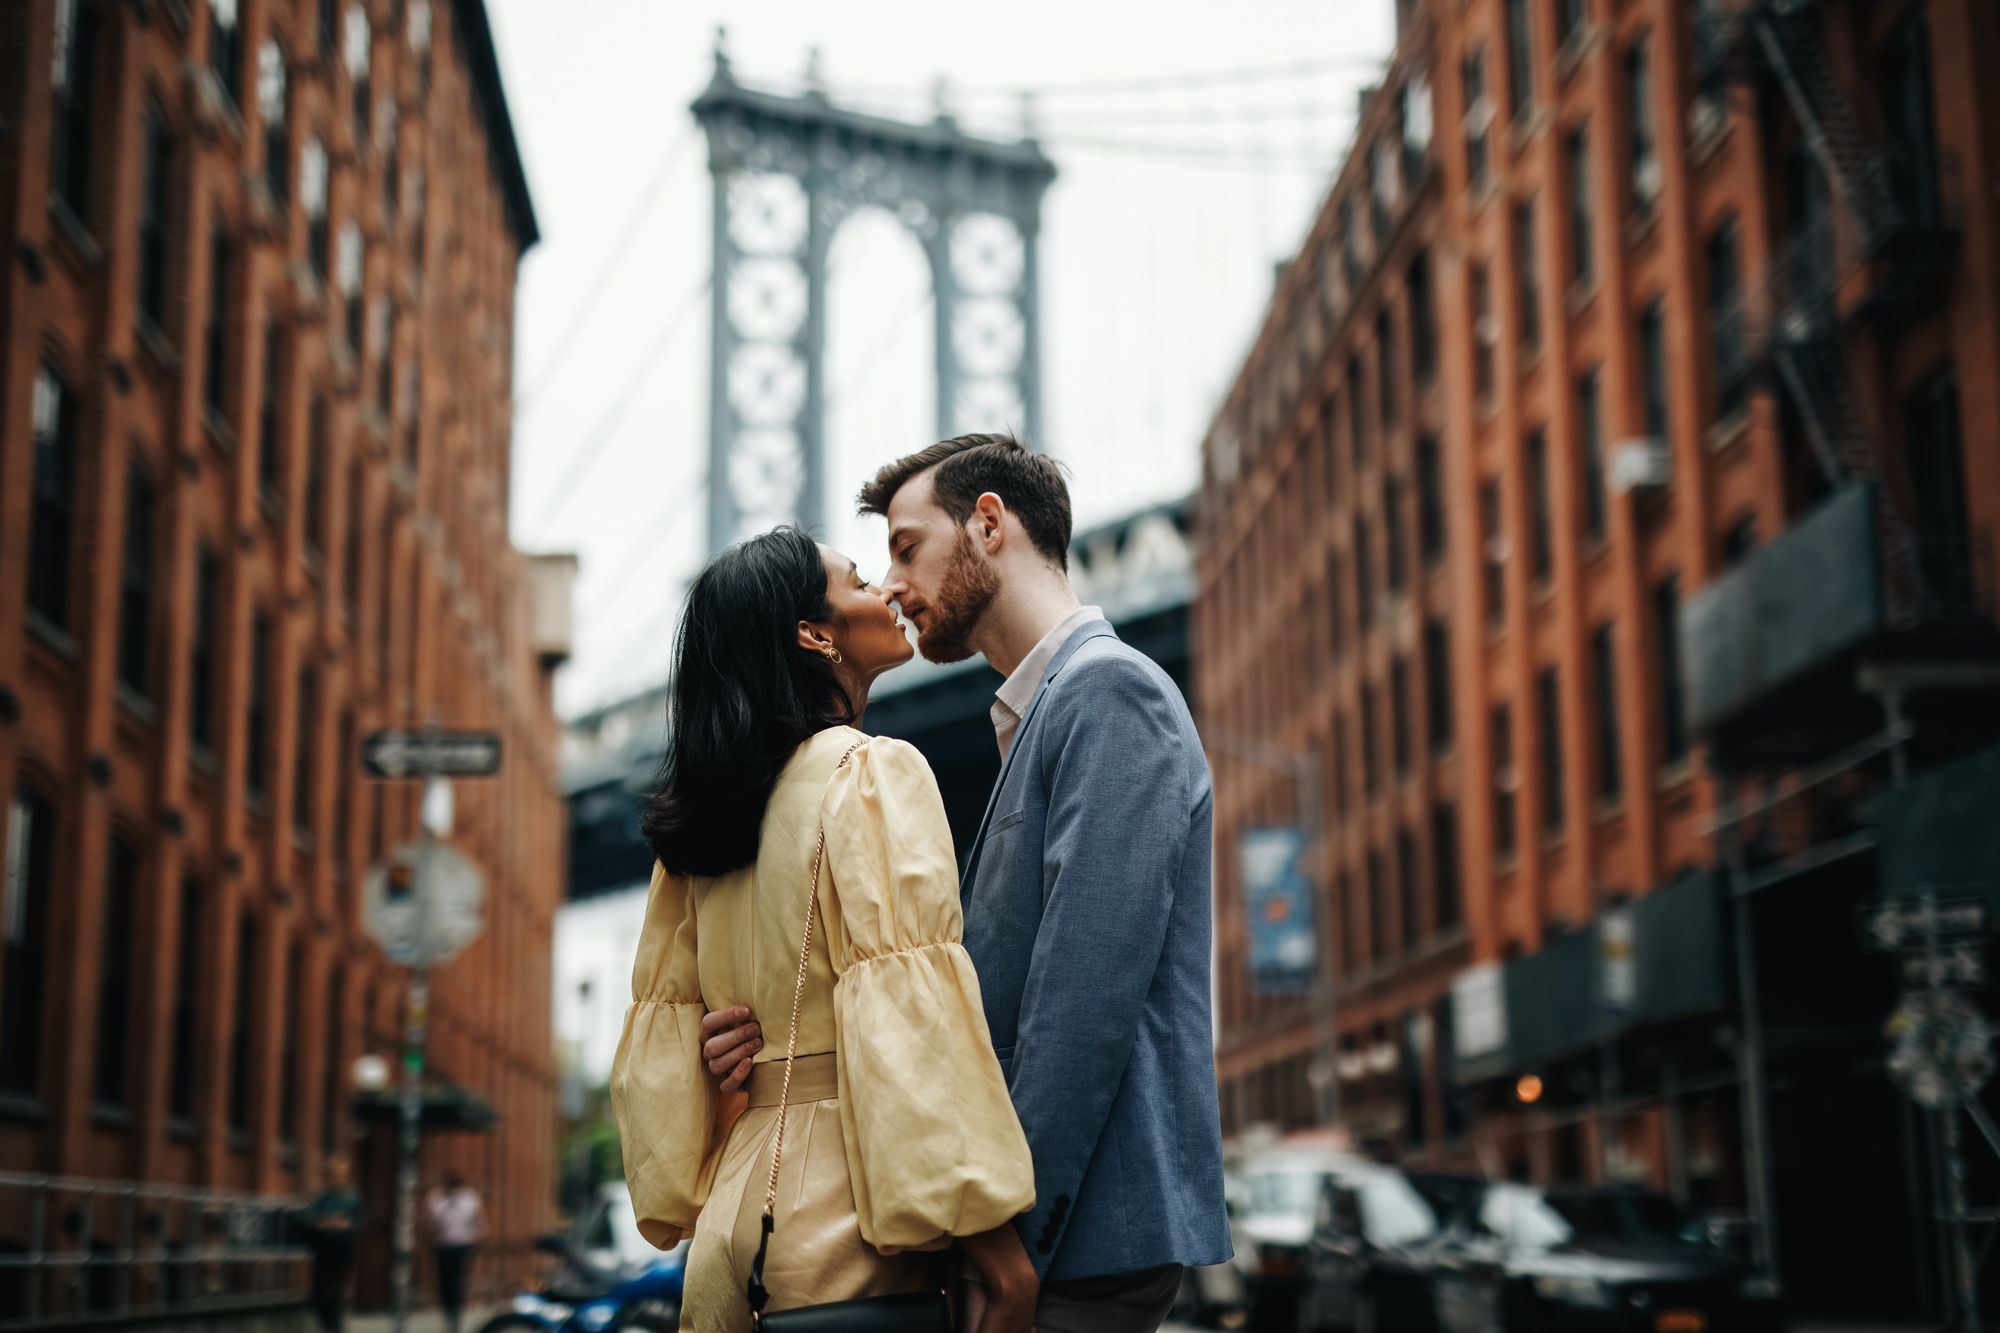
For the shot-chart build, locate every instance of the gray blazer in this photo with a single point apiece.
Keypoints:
(1087, 915)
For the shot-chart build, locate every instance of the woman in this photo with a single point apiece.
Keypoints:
(900, 1134)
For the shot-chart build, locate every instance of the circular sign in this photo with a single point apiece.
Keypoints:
(1940, 1050)
(424, 904)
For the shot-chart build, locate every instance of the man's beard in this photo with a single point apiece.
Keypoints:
(968, 588)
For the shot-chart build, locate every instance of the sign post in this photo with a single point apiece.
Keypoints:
(423, 905)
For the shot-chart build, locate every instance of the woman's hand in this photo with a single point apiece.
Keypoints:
(729, 1038)
(1004, 1299)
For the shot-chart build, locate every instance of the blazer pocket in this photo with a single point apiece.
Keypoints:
(1005, 1055)
(1004, 822)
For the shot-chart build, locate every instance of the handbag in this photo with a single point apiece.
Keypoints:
(913, 1312)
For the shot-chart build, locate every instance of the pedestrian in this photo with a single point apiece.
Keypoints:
(456, 1225)
(1086, 894)
(330, 1223)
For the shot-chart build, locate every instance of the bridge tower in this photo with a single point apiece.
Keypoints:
(787, 171)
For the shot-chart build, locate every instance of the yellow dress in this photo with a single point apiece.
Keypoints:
(900, 1133)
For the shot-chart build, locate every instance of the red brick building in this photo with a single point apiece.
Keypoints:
(1628, 330)
(257, 308)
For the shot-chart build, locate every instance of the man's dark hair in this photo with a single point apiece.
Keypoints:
(1030, 485)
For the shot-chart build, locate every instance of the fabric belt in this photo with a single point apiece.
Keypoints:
(815, 1078)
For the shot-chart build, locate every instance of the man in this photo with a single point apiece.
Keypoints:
(329, 1224)
(1086, 898)
(456, 1225)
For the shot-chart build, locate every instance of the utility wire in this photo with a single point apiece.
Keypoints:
(606, 270)
(598, 438)
(1180, 81)
(654, 534)
(1250, 157)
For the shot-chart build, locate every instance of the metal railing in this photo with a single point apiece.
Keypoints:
(74, 1250)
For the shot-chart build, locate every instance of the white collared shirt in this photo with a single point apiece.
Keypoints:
(1010, 704)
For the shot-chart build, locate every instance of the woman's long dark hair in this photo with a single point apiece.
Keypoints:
(743, 697)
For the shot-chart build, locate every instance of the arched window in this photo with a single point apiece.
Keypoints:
(271, 105)
(24, 933)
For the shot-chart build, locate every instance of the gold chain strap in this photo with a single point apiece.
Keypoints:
(798, 999)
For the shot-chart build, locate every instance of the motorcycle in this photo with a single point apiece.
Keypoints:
(607, 1278)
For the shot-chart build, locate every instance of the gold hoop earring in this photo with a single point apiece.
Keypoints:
(832, 654)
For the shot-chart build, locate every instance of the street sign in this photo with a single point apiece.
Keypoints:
(1940, 1050)
(428, 753)
(1892, 924)
(425, 904)
(1957, 966)
(1278, 900)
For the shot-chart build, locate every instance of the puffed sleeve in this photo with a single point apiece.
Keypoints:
(933, 1146)
(671, 1116)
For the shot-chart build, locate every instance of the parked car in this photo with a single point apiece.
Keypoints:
(1366, 1264)
(1218, 1295)
(1603, 1257)
(1281, 1190)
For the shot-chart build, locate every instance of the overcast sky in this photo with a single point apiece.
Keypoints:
(1179, 187)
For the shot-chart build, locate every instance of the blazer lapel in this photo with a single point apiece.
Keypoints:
(1096, 629)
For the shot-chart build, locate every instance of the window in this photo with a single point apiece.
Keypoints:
(329, 1065)
(1548, 704)
(70, 145)
(1527, 275)
(1604, 696)
(349, 278)
(1485, 330)
(243, 1008)
(1478, 117)
(271, 104)
(312, 197)
(1335, 607)
(350, 557)
(1725, 293)
(1430, 500)
(268, 450)
(343, 791)
(1909, 119)
(1666, 634)
(54, 514)
(288, 1053)
(1590, 446)
(1437, 684)
(1640, 151)
(1540, 556)
(390, 174)
(1369, 720)
(1385, 368)
(1938, 486)
(24, 917)
(1357, 434)
(324, 14)
(1364, 572)
(1350, 265)
(1393, 531)
(1576, 152)
(1382, 187)
(135, 583)
(1406, 883)
(381, 323)
(117, 961)
(1423, 320)
(1569, 18)
(314, 498)
(1739, 541)
(1338, 764)
(1399, 715)
(1378, 909)
(1494, 552)
(304, 746)
(1520, 60)
(1444, 862)
(215, 340)
(201, 673)
(156, 152)
(1504, 781)
(1653, 368)
(358, 39)
(419, 34)
(257, 771)
(187, 982)
(384, 562)
(225, 48)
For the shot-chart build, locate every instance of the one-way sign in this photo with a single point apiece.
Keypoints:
(427, 753)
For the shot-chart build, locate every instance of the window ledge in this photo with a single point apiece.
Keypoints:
(239, 1140)
(272, 505)
(182, 1130)
(1609, 809)
(51, 636)
(1576, 49)
(1730, 431)
(1643, 225)
(1580, 296)
(220, 437)
(79, 252)
(136, 707)
(159, 349)
(110, 1117)
(204, 760)
(1675, 774)
(22, 1106)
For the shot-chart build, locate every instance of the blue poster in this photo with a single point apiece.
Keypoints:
(1278, 897)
